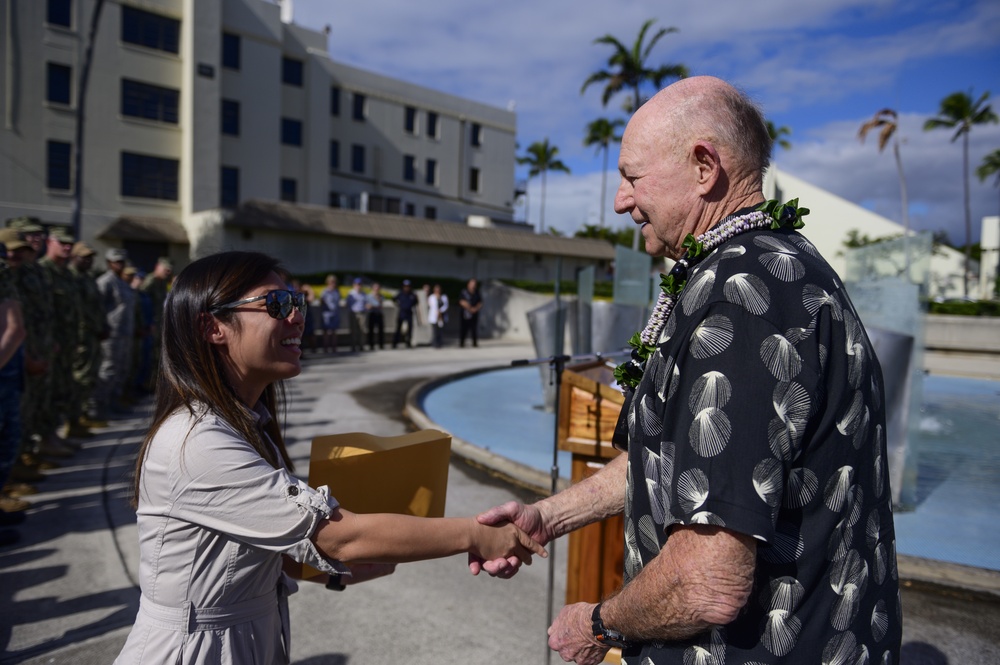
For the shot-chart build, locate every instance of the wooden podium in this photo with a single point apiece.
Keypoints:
(588, 413)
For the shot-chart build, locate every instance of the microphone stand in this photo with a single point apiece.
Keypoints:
(556, 366)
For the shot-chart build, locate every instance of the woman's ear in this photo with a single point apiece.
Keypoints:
(212, 329)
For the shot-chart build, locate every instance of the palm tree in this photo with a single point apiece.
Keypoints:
(541, 158)
(885, 122)
(778, 135)
(990, 166)
(601, 133)
(960, 113)
(627, 67)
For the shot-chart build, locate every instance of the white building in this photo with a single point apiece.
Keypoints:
(831, 220)
(195, 106)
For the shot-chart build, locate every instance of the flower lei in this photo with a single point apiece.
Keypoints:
(770, 214)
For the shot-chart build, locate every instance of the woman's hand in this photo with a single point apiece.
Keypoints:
(501, 541)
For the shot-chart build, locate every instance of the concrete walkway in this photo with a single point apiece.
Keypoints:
(68, 594)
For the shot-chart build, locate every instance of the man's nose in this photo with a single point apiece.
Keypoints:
(623, 198)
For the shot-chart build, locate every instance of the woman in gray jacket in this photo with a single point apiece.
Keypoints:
(219, 511)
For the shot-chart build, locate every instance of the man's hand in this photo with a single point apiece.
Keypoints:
(572, 636)
(528, 518)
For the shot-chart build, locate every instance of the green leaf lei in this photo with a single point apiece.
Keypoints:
(629, 373)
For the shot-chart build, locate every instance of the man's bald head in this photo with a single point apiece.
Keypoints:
(705, 108)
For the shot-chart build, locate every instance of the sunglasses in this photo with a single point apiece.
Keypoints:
(278, 303)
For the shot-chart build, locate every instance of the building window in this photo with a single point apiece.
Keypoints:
(411, 120)
(150, 30)
(143, 100)
(430, 212)
(411, 210)
(474, 179)
(149, 177)
(334, 155)
(358, 112)
(230, 50)
(358, 158)
(58, 12)
(476, 134)
(334, 200)
(335, 101)
(289, 190)
(393, 205)
(431, 172)
(409, 168)
(376, 203)
(58, 168)
(291, 131)
(59, 83)
(354, 202)
(230, 117)
(229, 187)
(432, 124)
(291, 72)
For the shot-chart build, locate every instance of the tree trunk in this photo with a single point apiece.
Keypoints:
(541, 217)
(904, 200)
(81, 99)
(968, 215)
(604, 184)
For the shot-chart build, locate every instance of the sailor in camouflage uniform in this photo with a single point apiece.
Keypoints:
(157, 284)
(11, 385)
(39, 316)
(91, 328)
(62, 286)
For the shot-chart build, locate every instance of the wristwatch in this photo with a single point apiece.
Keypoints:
(335, 583)
(607, 636)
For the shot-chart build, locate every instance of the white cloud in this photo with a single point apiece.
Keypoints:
(807, 62)
(833, 158)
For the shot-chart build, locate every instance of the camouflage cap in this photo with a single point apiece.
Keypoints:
(61, 234)
(26, 224)
(12, 239)
(129, 270)
(82, 249)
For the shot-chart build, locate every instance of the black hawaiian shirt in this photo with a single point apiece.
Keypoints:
(762, 411)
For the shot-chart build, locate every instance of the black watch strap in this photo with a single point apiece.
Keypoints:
(604, 635)
(335, 583)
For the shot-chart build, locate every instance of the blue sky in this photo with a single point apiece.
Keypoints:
(820, 67)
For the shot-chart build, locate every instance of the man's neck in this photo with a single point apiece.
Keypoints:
(718, 210)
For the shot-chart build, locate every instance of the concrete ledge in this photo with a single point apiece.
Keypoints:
(963, 364)
(971, 334)
(951, 576)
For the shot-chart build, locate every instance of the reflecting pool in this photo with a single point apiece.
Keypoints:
(957, 453)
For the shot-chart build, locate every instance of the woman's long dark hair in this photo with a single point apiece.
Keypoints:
(191, 373)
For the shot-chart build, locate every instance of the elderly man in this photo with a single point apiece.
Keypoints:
(758, 524)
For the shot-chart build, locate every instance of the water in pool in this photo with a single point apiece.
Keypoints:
(958, 453)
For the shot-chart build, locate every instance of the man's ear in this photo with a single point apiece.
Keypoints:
(708, 166)
(212, 329)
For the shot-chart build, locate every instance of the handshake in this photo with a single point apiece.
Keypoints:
(529, 522)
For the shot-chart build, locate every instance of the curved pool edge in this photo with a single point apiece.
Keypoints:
(501, 467)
